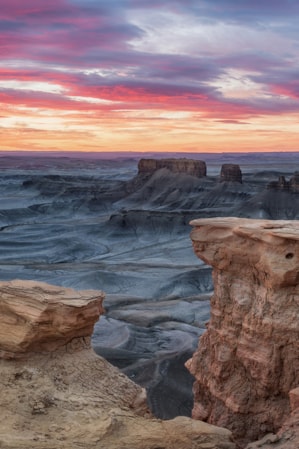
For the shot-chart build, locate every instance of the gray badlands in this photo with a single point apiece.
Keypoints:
(91, 223)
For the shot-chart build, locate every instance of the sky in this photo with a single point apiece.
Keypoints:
(149, 75)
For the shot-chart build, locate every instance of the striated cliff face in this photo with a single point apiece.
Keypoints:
(60, 394)
(183, 165)
(248, 359)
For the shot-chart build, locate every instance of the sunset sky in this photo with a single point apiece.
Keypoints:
(149, 75)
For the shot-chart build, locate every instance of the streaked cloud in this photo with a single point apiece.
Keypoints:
(196, 69)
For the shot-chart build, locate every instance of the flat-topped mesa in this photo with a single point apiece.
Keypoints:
(248, 359)
(37, 317)
(183, 165)
(230, 173)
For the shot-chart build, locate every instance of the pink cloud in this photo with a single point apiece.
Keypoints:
(290, 89)
(84, 47)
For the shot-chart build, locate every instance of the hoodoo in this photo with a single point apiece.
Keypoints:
(248, 359)
(282, 184)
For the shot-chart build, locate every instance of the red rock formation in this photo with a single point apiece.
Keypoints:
(230, 173)
(248, 359)
(282, 184)
(294, 399)
(288, 435)
(188, 166)
(36, 316)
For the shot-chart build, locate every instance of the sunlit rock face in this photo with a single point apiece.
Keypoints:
(58, 393)
(248, 359)
(36, 316)
(183, 165)
(230, 173)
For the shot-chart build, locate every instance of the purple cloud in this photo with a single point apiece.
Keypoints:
(85, 46)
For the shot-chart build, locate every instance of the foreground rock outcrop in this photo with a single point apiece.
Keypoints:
(60, 394)
(40, 317)
(248, 359)
(183, 165)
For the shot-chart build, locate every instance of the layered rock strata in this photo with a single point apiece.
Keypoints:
(188, 166)
(39, 317)
(248, 359)
(230, 173)
(60, 394)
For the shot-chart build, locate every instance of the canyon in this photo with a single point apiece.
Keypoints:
(87, 223)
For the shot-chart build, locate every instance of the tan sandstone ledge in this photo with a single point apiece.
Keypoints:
(248, 359)
(38, 317)
(57, 393)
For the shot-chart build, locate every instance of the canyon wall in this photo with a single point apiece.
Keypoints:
(248, 359)
(183, 165)
(58, 393)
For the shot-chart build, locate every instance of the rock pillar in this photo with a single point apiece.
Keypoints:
(248, 359)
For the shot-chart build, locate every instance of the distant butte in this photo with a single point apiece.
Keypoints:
(282, 184)
(230, 173)
(188, 166)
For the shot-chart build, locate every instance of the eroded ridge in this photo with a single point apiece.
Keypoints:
(248, 359)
